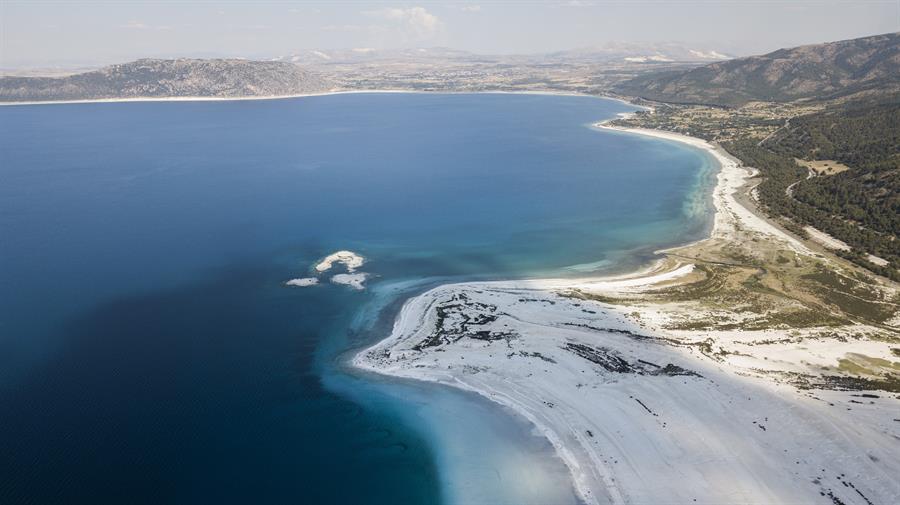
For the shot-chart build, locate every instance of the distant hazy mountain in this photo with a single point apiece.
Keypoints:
(154, 78)
(636, 52)
(820, 71)
(369, 54)
(612, 52)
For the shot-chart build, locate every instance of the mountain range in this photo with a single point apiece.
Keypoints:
(633, 52)
(155, 78)
(812, 72)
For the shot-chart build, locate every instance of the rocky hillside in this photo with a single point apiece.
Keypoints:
(820, 71)
(154, 78)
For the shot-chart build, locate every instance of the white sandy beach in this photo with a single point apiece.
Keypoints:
(642, 413)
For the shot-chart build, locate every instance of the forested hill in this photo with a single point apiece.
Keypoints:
(859, 205)
(820, 71)
(157, 78)
(820, 122)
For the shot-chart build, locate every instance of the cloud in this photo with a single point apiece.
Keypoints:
(343, 28)
(471, 8)
(137, 25)
(371, 30)
(415, 20)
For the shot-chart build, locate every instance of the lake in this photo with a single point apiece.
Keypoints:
(149, 348)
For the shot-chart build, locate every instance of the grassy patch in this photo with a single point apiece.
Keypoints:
(860, 364)
(850, 295)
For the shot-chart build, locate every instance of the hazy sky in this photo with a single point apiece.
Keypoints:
(34, 33)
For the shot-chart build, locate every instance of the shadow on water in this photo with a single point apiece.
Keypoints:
(205, 393)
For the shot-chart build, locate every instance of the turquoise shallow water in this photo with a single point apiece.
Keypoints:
(150, 352)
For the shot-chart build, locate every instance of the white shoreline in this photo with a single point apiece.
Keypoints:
(304, 95)
(207, 98)
(730, 178)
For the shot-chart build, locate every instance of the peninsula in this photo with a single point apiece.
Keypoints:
(746, 368)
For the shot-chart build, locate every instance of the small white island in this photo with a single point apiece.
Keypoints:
(351, 278)
(303, 282)
(350, 259)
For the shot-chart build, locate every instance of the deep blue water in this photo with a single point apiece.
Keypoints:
(149, 351)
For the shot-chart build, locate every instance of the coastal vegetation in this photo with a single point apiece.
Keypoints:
(777, 114)
(865, 137)
(859, 206)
